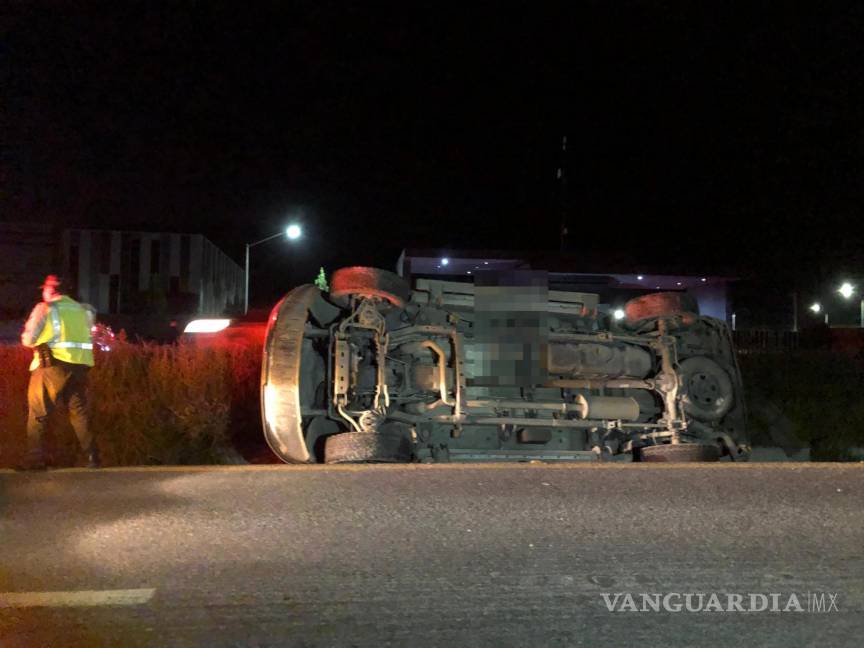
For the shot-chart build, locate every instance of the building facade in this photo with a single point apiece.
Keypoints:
(613, 286)
(119, 273)
(150, 272)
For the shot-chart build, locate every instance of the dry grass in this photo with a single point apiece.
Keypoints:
(150, 404)
(821, 392)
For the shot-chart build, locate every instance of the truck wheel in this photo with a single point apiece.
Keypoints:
(290, 372)
(680, 453)
(662, 304)
(370, 282)
(707, 393)
(366, 447)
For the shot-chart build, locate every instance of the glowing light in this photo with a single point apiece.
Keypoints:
(103, 337)
(704, 279)
(618, 314)
(445, 261)
(271, 401)
(639, 278)
(816, 308)
(206, 325)
(678, 283)
(293, 232)
(847, 290)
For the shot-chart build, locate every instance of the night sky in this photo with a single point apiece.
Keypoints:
(726, 136)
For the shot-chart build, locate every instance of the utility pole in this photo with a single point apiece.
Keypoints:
(794, 312)
(561, 176)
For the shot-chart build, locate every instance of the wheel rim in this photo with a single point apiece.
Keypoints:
(707, 389)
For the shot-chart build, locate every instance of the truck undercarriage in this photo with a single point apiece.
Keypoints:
(499, 370)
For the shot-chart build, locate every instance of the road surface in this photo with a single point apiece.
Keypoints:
(428, 555)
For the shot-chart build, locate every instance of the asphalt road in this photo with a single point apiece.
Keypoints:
(428, 555)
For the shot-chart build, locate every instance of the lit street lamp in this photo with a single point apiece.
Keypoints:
(292, 232)
(847, 290)
(816, 308)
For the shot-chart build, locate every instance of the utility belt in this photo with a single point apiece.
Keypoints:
(47, 359)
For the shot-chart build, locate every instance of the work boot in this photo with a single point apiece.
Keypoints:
(93, 459)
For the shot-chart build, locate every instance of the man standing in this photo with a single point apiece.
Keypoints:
(58, 331)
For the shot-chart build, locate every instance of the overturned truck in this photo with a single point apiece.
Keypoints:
(501, 369)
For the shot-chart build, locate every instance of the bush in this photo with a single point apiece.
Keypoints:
(150, 404)
(820, 392)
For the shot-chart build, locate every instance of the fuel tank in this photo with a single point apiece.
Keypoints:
(599, 360)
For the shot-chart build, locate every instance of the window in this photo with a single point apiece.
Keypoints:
(113, 293)
(105, 252)
(185, 260)
(135, 261)
(74, 262)
(154, 257)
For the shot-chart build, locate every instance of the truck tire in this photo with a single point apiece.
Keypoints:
(707, 393)
(370, 282)
(290, 374)
(680, 453)
(659, 305)
(366, 447)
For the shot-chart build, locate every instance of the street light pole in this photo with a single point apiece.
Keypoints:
(292, 232)
(794, 312)
(246, 277)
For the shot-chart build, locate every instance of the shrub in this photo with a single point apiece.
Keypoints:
(819, 391)
(150, 404)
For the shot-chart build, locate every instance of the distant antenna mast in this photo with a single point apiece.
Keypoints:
(561, 177)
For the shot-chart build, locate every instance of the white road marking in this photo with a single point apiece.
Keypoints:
(79, 598)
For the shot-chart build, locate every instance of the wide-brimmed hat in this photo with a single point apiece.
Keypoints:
(51, 281)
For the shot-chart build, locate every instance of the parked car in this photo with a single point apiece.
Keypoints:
(246, 330)
(500, 369)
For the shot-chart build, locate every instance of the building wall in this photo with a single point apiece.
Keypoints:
(712, 300)
(613, 289)
(128, 272)
(221, 281)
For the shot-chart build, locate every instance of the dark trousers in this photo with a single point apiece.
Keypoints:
(47, 386)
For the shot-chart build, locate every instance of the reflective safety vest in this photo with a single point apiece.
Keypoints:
(67, 333)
